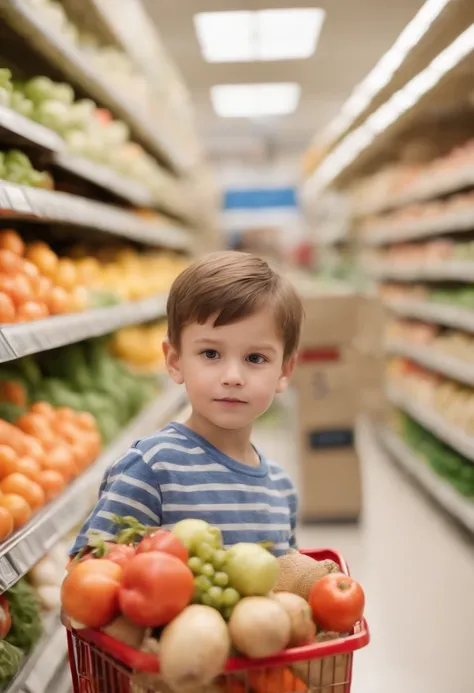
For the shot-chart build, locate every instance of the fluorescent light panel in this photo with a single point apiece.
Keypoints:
(286, 34)
(255, 100)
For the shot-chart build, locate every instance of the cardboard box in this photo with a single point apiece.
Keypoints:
(328, 392)
(330, 484)
(330, 319)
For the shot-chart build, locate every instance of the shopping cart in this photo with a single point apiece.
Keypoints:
(100, 664)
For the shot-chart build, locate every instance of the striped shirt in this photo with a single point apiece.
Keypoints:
(176, 474)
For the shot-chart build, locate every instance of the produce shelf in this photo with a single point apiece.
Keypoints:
(448, 315)
(452, 221)
(23, 18)
(26, 338)
(106, 178)
(36, 204)
(439, 362)
(455, 437)
(27, 546)
(16, 129)
(462, 509)
(428, 187)
(41, 665)
(455, 271)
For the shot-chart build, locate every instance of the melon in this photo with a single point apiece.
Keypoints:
(298, 573)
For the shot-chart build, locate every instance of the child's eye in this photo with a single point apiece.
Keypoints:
(256, 358)
(210, 354)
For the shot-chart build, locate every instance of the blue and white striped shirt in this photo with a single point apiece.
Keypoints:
(176, 474)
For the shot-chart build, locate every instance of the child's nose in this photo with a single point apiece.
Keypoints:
(232, 376)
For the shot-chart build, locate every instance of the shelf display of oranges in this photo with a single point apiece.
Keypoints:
(39, 455)
(35, 282)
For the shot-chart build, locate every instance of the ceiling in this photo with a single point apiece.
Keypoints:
(355, 35)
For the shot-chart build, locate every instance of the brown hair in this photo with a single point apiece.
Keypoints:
(233, 285)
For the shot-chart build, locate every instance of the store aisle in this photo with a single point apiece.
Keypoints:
(417, 573)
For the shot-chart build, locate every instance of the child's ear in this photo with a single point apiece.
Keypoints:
(286, 373)
(172, 362)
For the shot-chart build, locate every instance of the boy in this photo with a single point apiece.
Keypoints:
(233, 331)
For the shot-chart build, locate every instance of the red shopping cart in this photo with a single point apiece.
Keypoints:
(100, 664)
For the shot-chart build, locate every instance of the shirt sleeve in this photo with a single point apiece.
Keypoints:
(293, 503)
(129, 487)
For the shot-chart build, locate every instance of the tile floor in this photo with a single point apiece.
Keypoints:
(417, 572)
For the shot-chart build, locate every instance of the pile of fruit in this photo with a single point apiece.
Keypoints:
(140, 346)
(202, 601)
(461, 296)
(88, 130)
(83, 377)
(445, 461)
(124, 272)
(459, 345)
(39, 455)
(35, 283)
(15, 167)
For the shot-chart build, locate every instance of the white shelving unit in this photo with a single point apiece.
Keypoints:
(462, 509)
(447, 315)
(453, 271)
(462, 371)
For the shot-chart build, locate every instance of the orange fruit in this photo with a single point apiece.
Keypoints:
(86, 421)
(60, 459)
(17, 507)
(68, 431)
(41, 255)
(52, 483)
(66, 414)
(32, 310)
(66, 274)
(79, 299)
(24, 487)
(45, 409)
(14, 392)
(37, 426)
(58, 301)
(42, 287)
(8, 461)
(29, 467)
(9, 262)
(7, 309)
(11, 240)
(18, 287)
(6, 524)
(33, 448)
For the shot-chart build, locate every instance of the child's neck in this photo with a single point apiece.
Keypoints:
(233, 443)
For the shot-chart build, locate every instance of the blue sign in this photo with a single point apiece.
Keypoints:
(260, 198)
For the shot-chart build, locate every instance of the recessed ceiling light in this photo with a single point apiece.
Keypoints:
(255, 100)
(284, 34)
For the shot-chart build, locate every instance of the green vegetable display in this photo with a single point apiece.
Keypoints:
(15, 167)
(445, 461)
(25, 612)
(84, 377)
(10, 660)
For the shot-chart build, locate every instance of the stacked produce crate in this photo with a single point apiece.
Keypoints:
(337, 378)
(104, 199)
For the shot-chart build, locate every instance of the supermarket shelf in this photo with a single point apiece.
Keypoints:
(450, 316)
(428, 187)
(21, 339)
(453, 221)
(449, 434)
(62, 681)
(462, 509)
(27, 546)
(46, 659)
(455, 271)
(463, 371)
(106, 178)
(16, 128)
(23, 18)
(36, 204)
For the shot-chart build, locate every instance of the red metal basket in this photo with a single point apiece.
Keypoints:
(100, 664)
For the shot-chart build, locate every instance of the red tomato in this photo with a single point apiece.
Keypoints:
(90, 592)
(166, 541)
(120, 553)
(156, 587)
(337, 602)
(5, 618)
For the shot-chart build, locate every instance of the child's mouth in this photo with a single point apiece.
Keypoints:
(230, 401)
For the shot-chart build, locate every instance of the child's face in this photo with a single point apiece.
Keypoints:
(231, 372)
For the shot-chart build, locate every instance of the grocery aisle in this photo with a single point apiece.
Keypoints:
(405, 554)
